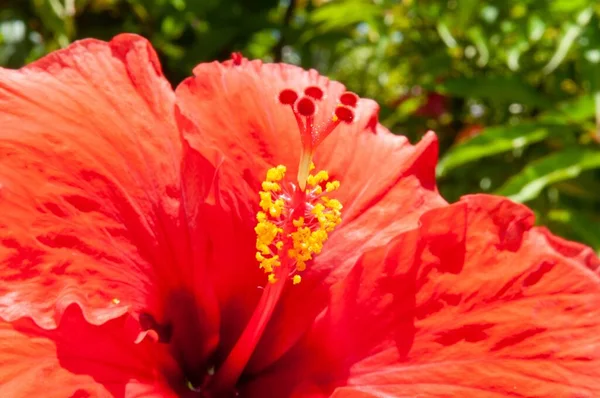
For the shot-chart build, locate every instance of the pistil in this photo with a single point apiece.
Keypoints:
(293, 223)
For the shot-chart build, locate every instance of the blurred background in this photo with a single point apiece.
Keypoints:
(512, 87)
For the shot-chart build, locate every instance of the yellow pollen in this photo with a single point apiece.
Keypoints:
(270, 186)
(276, 174)
(308, 239)
(116, 301)
(268, 234)
(332, 186)
(300, 266)
(268, 264)
(309, 232)
(318, 178)
(261, 216)
(276, 208)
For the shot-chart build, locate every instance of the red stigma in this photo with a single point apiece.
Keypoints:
(237, 58)
(306, 106)
(349, 99)
(288, 97)
(345, 114)
(314, 92)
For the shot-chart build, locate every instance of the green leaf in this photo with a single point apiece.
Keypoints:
(586, 187)
(495, 88)
(403, 111)
(535, 27)
(492, 141)
(575, 110)
(343, 14)
(571, 34)
(579, 223)
(566, 6)
(559, 166)
(477, 35)
(466, 10)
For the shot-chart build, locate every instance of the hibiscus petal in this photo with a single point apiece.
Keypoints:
(498, 311)
(385, 198)
(88, 181)
(77, 360)
(474, 303)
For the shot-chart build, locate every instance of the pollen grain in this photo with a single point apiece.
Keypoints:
(305, 234)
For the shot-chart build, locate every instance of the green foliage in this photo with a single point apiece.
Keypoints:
(511, 87)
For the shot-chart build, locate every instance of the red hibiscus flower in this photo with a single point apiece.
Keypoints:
(179, 243)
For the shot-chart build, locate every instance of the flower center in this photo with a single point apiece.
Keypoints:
(293, 223)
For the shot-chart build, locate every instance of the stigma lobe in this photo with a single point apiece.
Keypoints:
(304, 108)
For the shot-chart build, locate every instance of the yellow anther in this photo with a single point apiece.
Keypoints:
(318, 178)
(261, 216)
(333, 204)
(300, 266)
(268, 264)
(269, 186)
(318, 209)
(266, 231)
(332, 186)
(308, 233)
(311, 167)
(306, 240)
(276, 174)
(116, 301)
(276, 208)
(266, 200)
(261, 247)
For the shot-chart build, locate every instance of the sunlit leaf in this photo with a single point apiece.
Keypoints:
(572, 33)
(340, 15)
(536, 27)
(576, 110)
(478, 38)
(559, 166)
(492, 141)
